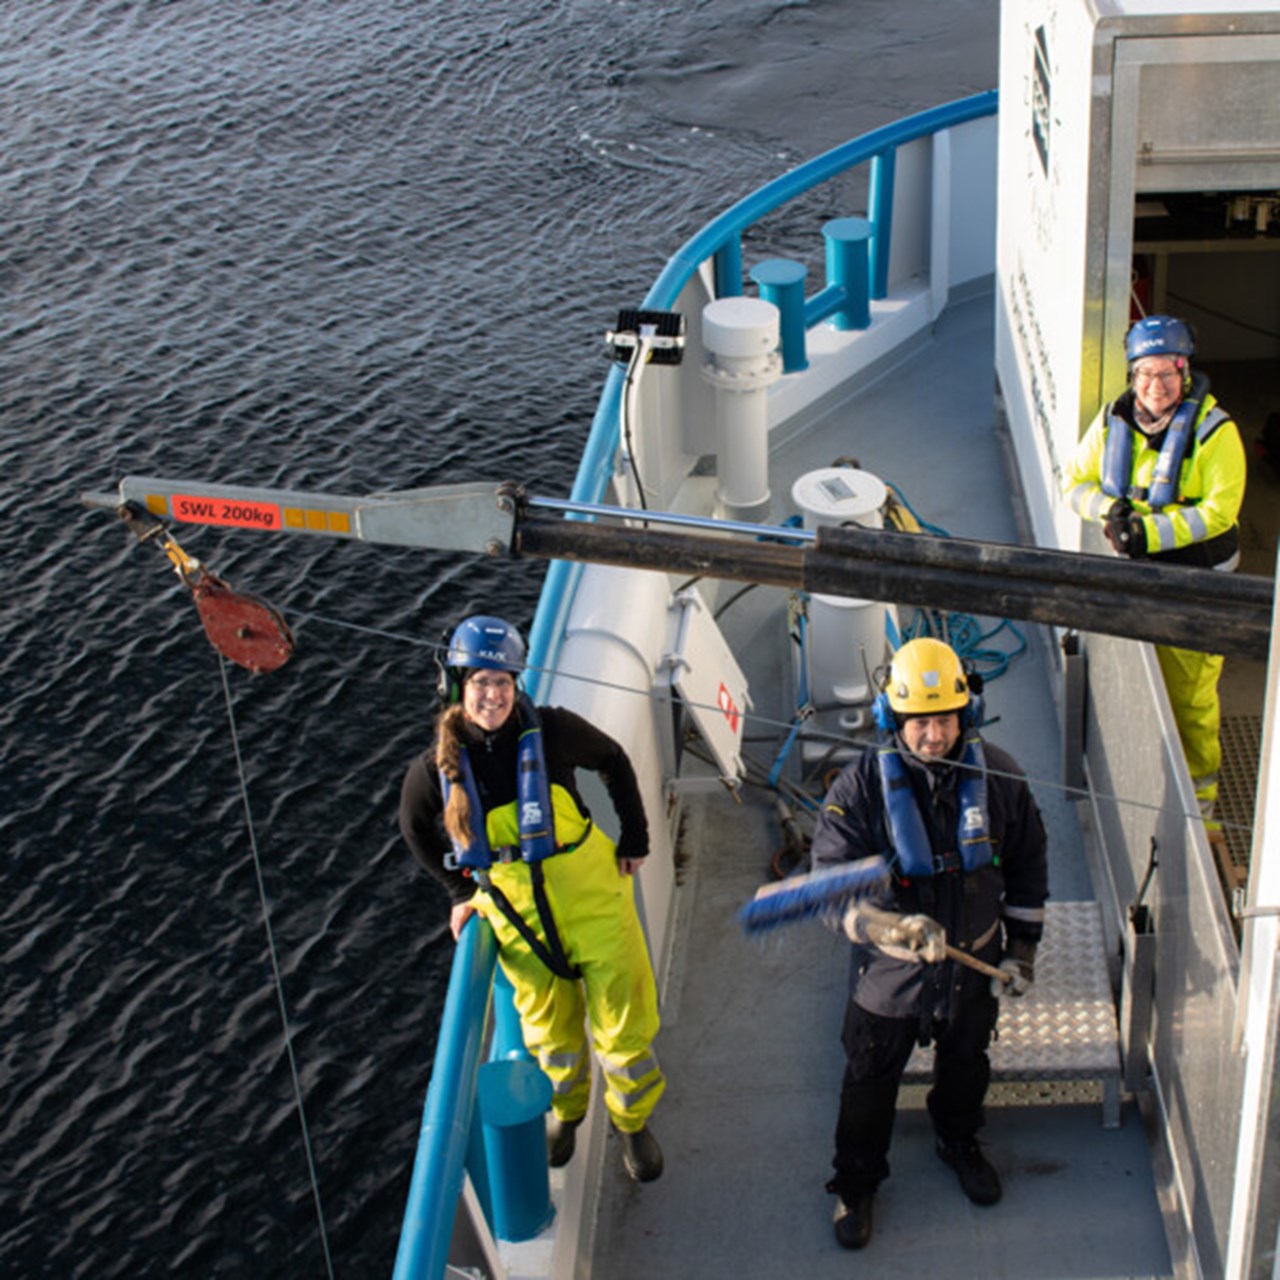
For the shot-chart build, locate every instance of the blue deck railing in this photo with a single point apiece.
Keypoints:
(721, 240)
(447, 1116)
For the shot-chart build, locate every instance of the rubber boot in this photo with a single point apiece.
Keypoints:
(561, 1136)
(641, 1155)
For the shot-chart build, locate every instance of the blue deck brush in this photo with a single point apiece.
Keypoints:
(810, 896)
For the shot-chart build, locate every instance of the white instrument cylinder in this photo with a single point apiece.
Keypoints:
(845, 638)
(740, 337)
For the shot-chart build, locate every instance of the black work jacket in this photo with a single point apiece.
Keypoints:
(970, 906)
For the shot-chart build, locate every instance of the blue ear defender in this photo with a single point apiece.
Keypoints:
(884, 715)
(971, 714)
(448, 679)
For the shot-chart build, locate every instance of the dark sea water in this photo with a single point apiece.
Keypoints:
(348, 245)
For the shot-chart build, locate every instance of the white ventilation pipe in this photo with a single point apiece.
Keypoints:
(740, 337)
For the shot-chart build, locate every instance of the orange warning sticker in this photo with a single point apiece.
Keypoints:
(724, 700)
(237, 512)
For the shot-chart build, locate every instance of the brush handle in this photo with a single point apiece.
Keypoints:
(963, 957)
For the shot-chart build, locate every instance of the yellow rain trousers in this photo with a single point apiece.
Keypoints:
(1191, 679)
(1211, 488)
(594, 909)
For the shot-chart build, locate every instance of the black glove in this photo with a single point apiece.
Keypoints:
(1019, 963)
(1125, 531)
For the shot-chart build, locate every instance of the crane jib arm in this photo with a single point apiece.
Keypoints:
(1190, 608)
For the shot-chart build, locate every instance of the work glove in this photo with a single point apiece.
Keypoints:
(912, 937)
(1125, 531)
(1019, 963)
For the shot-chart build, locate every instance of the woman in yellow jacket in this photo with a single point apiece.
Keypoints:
(1162, 468)
(493, 811)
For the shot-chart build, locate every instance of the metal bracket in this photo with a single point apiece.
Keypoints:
(479, 518)
(1241, 912)
(656, 337)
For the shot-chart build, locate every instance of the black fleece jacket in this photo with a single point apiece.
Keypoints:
(569, 743)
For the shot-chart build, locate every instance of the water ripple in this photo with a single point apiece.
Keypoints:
(355, 246)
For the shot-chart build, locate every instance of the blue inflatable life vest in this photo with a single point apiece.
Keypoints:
(533, 800)
(1117, 458)
(913, 855)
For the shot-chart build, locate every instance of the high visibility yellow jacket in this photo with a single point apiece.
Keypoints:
(1201, 526)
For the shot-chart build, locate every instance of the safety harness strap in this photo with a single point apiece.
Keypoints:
(1117, 458)
(551, 953)
(914, 855)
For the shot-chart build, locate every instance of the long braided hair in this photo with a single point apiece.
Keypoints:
(449, 744)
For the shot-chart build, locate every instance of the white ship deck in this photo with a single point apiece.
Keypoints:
(750, 1042)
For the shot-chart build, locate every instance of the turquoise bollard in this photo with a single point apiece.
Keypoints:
(781, 281)
(849, 269)
(512, 1096)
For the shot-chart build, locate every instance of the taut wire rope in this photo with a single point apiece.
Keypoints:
(275, 964)
(782, 726)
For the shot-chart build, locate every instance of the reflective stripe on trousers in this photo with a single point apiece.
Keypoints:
(1191, 679)
(594, 908)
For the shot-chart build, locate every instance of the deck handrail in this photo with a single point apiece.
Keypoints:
(721, 236)
(436, 1184)
(438, 1168)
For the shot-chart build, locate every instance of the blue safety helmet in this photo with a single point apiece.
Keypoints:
(1159, 336)
(479, 643)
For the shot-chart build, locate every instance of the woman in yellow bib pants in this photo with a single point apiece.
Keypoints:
(492, 810)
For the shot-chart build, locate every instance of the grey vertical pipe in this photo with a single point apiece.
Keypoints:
(1073, 708)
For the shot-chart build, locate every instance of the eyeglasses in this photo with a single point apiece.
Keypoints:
(1167, 378)
(497, 683)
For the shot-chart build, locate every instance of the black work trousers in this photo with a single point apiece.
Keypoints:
(877, 1050)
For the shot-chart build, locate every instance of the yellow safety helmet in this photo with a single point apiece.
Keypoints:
(926, 679)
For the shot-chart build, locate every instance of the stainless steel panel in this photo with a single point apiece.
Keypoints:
(1208, 112)
(1141, 790)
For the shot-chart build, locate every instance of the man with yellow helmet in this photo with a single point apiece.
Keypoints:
(955, 819)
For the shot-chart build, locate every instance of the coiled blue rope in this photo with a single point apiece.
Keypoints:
(960, 630)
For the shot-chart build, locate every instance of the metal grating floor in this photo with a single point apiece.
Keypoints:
(1064, 1028)
(1238, 785)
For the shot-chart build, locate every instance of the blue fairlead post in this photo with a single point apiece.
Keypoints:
(514, 1192)
(849, 270)
(781, 281)
(507, 1042)
(513, 1095)
(728, 268)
